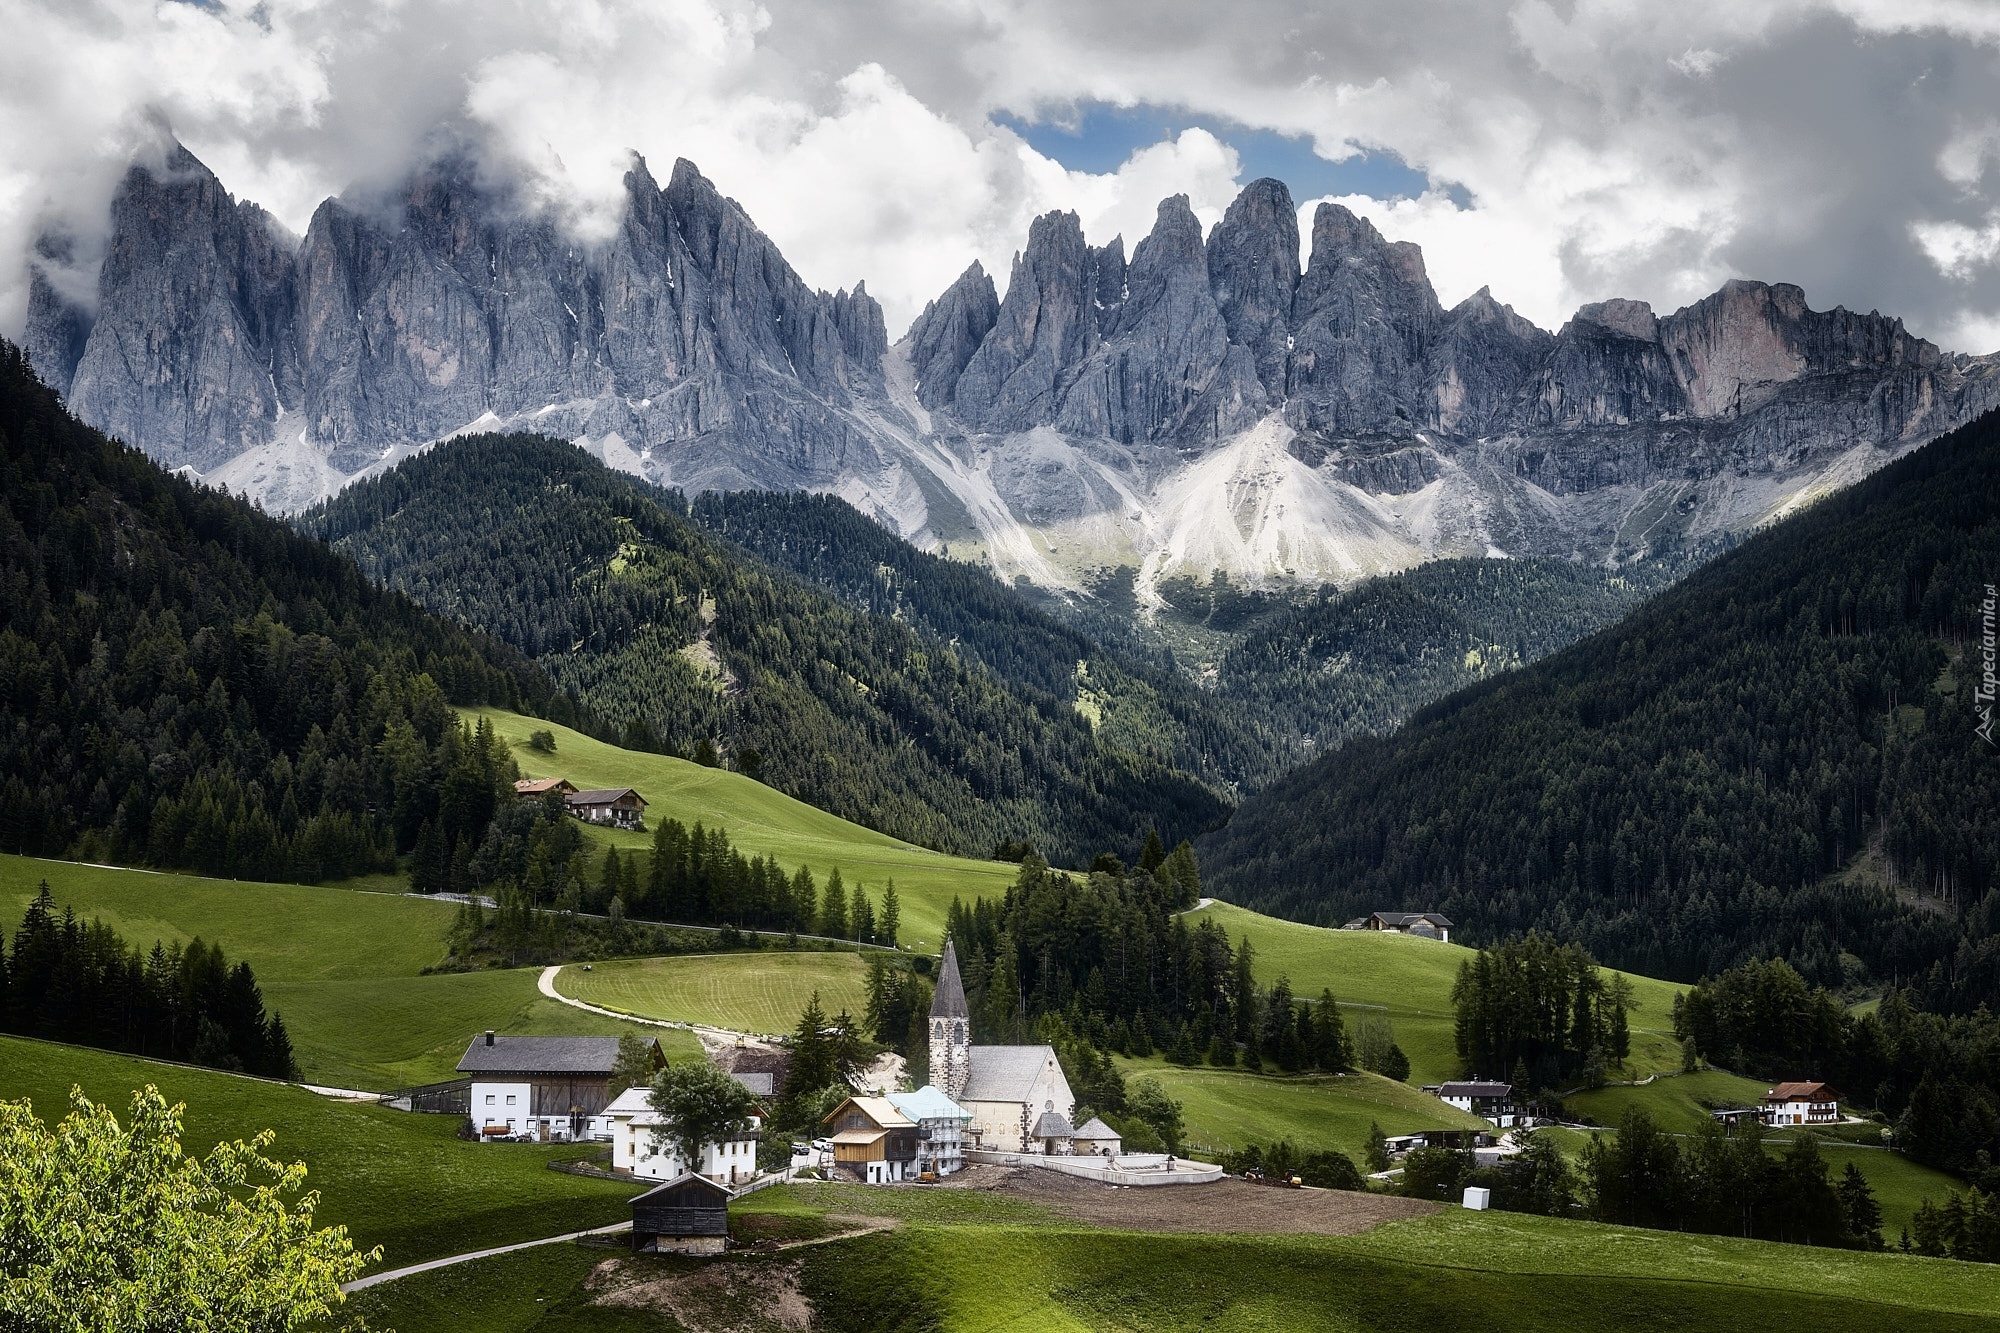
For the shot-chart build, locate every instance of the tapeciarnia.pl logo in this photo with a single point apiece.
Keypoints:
(1982, 697)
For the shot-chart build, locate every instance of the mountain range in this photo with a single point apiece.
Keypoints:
(1209, 403)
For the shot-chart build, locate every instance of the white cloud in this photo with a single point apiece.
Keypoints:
(1610, 147)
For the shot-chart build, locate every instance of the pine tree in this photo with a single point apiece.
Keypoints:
(1397, 1066)
(833, 914)
(1003, 994)
(1857, 1201)
(892, 915)
(805, 900)
(813, 1065)
(861, 917)
(1378, 1148)
(427, 862)
(1155, 854)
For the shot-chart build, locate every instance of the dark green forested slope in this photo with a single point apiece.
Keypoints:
(1362, 659)
(681, 639)
(186, 681)
(1141, 707)
(1674, 792)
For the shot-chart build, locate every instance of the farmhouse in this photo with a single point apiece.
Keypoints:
(1482, 1097)
(543, 786)
(631, 1122)
(687, 1215)
(1005, 1090)
(1428, 925)
(543, 1088)
(1802, 1104)
(940, 1128)
(873, 1142)
(620, 807)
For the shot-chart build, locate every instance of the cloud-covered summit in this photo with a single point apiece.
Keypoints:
(1604, 147)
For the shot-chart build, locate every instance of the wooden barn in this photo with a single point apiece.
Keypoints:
(687, 1215)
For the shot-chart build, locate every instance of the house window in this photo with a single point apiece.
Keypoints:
(510, 1099)
(489, 1099)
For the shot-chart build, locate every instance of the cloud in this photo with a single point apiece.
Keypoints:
(1603, 147)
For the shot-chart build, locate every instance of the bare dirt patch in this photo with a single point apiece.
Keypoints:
(721, 1297)
(1229, 1205)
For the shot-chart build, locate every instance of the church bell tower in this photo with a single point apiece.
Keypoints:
(951, 1062)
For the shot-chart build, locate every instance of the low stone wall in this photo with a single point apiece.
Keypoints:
(1139, 1173)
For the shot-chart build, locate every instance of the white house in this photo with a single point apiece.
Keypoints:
(550, 1089)
(1094, 1138)
(632, 1120)
(1482, 1097)
(1801, 1104)
(1005, 1090)
(941, 1124)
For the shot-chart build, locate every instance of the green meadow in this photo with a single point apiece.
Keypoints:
(1228, 1109)
(761, 821)
(345, 968)
(968, 1263)
(750, 992)
(404, 1182)
(1409, 980)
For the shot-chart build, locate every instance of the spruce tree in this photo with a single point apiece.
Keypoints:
(892, 916)
(427, 862)
(813, 1065)
(1003, 994)
(861, 917)
(833, 913)
(1155, 853)
(1857, 1201)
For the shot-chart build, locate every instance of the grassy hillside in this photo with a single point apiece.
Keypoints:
(1680, 1104)
(1410, 980)
(1228, 1109)
(994, 1264)
(762, 821)
(401, 1181)
(750, 992)
(343, 967)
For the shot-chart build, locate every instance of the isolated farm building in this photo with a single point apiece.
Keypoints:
(1094, 1138)
(687, 1215)
(1802, 1104)
(941, 1126)
(544, 786)
(873, 1142)
(1429, 925)
(619, 807)
(547, 1088)
(1729, 1117)
(636, 1148)
(1482, 1097)
(1004, 1089)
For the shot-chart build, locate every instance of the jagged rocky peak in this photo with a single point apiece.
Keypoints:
(1045, 325)
(1363, 319)
(1483, 356)
(1253, 269)
(949, 331)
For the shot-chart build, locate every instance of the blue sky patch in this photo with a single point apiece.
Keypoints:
(1099, 137)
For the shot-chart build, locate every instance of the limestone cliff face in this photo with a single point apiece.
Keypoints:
(1207, 404)
(397, 321)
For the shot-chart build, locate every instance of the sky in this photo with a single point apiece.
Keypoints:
(1558, 151)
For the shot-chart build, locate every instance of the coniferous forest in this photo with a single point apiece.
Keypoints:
(1775, 757)
(67, 980)
(187, 682)
(682, 640)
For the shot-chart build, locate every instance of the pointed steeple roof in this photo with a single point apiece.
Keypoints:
(949, 1000)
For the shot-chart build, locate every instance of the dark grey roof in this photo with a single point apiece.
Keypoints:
(1478, 1088)
(540, 1055)
(1054, 1125)
(1096, 1131)
(603, 796)
(685, 1178)
(949, 1000)
(1411, 918)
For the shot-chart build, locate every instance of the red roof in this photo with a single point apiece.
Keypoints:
(1802, 1092)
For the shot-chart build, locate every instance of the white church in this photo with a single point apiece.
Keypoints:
(1016, 1096)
